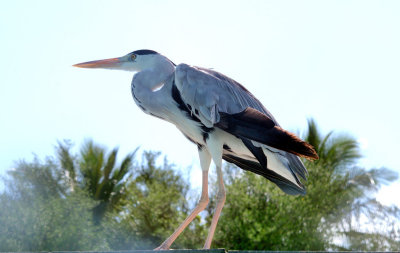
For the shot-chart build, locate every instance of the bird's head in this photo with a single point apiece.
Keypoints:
(135, 62)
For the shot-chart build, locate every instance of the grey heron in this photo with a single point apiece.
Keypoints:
(221, 117)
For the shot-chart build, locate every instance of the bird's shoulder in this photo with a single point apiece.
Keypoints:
(230, 95)
(193, 75)
(205, 80)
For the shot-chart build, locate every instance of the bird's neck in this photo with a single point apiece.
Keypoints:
(153, 77)
(150, 88)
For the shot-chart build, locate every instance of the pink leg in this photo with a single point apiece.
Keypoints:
(220, 204)
(205, 160)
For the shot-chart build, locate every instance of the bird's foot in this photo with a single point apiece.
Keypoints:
(162, 247)
(207, 245)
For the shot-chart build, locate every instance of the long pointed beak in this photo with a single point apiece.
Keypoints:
(105, 64)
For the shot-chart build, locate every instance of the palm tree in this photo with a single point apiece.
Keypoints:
(338, 169)
(96, 172)
(335, 152)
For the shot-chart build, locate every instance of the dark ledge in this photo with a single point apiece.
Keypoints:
(206, 251)
(150, 251)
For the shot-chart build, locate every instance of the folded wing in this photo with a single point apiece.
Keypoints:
(218, 101)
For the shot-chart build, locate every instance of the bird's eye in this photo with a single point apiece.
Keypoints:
(133, 57)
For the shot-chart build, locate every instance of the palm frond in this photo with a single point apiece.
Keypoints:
(66, 160)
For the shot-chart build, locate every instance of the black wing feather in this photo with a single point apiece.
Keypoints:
(256, 126)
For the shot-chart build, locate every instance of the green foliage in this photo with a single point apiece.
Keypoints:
(95, 172)
(36, 179)
(157, 205)
(86, 201)
(35, 218)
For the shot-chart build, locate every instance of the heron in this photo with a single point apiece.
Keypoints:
(221, 117)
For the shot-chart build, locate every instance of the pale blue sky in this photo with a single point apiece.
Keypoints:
(335, 61)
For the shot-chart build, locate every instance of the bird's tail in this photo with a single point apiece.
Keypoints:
(256, 126)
